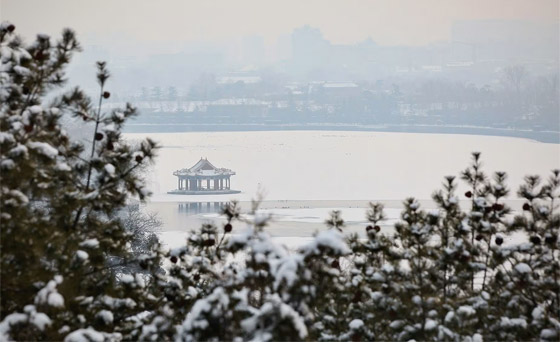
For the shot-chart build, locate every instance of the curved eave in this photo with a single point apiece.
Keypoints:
(188, 174)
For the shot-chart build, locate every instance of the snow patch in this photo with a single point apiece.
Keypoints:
(90, 243)
(331, 239)
(110, 169)
(91, 335)
(356, 324)
(82, 255)
(43, 148)
(522, 268)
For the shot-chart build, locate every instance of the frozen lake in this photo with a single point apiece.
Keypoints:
(324, 165)
(306, 174)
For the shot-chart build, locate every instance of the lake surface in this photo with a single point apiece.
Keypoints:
(306, 174)
(334, 165)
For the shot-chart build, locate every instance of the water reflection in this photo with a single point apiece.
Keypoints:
(194, 208)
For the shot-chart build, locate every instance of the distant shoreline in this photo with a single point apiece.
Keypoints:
(514, 203)
(290, 218)
(550, 137)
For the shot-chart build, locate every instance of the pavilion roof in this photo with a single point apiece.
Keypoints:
(204, 168)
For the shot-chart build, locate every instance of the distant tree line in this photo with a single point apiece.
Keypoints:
(518, 100)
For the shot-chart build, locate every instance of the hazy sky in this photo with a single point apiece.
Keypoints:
(388, 22)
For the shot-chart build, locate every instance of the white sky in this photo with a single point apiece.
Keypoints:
(388, 22)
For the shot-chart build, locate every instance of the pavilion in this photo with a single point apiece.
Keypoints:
(203, 179)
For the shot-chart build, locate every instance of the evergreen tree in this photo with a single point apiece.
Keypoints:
(59, 202)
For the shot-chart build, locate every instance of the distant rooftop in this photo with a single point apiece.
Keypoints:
(204, 168)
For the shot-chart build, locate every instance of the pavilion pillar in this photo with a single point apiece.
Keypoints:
(186, 184)
(208, 184)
